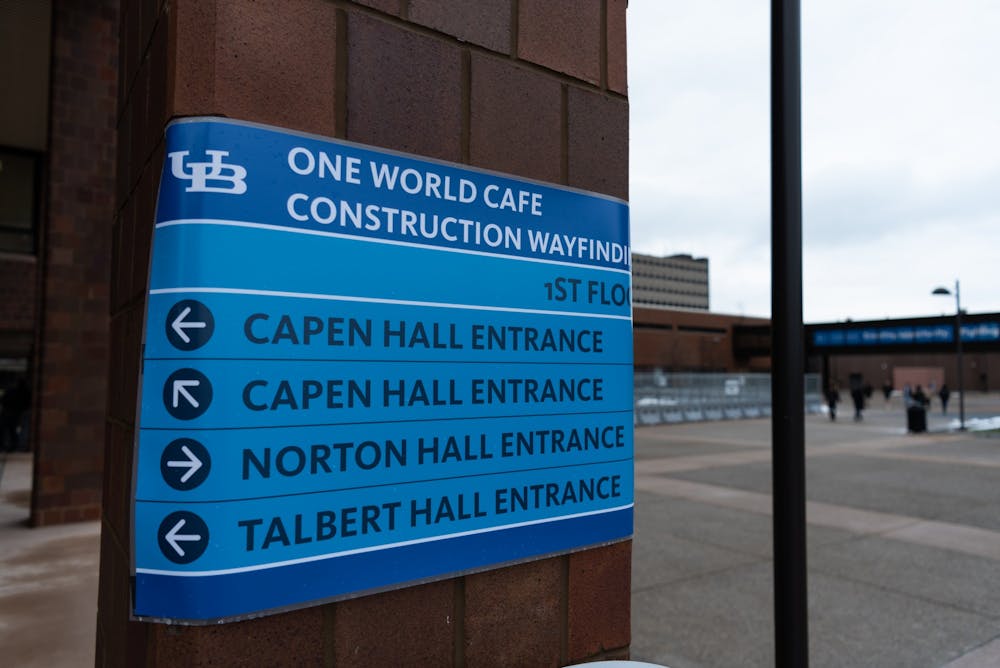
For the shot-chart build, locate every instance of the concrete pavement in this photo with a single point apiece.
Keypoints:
(904, 549)
(903, 539)
(48, 580)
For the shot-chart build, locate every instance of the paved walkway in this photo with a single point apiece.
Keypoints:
(903, 535)
(48, 581)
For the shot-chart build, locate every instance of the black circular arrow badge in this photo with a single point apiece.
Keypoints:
(185, 464)
(187, 394)
(183, 537)
(189, 325)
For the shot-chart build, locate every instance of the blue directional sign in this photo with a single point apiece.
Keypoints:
(364, 369)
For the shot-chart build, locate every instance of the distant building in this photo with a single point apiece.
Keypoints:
(689, 340)
(674, 281)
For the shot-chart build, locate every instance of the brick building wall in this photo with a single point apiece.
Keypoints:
(18, 276)
(980, 370)
(532, 87)
(689, 340)
(71, 348)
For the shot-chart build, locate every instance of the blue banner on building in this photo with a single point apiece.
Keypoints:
(364, 369)
(904, 335)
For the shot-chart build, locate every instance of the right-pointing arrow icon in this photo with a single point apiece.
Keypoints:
(185, 464)
(192, 463)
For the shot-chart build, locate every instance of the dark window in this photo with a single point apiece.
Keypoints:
(19, 176)
(702, 330)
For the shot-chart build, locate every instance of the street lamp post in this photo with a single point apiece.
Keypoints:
(958, 348)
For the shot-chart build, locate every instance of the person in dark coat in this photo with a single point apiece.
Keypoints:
(858, 398)
(943, 394)
(886, 390)
(832, 397)
(919, 398)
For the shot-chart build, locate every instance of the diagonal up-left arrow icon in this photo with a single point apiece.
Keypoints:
(181, 390)
(187, 394)
(174, 537)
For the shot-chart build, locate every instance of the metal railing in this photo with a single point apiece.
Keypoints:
(690, 397)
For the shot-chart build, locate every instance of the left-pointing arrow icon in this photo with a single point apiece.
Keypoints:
(180, 325)
(187, 394)
(182, 537)
(174, 537)
(189, 325)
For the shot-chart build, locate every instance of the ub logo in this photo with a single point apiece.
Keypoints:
(224, 177)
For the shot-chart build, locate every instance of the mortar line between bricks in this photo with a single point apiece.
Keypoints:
(340, 75)
(329, 636)
(604, 46)
(466, 102)
(563, 134)
(147, 163)
(458, 635)
(515, 27)
(564, 620)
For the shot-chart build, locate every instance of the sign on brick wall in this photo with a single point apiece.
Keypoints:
(363, 369)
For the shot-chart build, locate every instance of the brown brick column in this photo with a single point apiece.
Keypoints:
(72, 347)
(532, 87)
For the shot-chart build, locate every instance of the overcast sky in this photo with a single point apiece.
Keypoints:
(901, 150)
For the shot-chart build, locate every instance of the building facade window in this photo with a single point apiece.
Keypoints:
(19, 179)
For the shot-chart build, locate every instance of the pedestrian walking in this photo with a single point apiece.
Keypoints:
(832, 397)
(858, 398)
(944, 393)
(887, 391)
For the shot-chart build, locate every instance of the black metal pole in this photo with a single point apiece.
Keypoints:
(791, 618)
(961, 375)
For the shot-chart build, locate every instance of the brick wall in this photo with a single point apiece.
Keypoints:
(17, 292)
(72, 348)
(18, 276)
(533, 87)
(678, 340)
